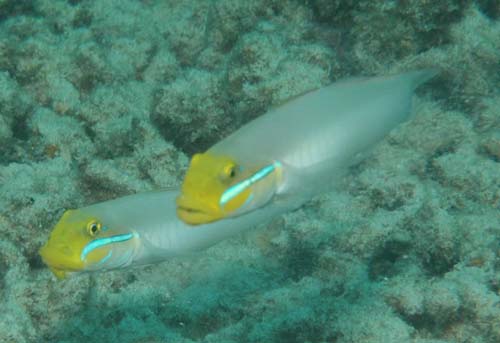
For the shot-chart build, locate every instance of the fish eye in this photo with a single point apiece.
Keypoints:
(93, 228)
(230, 170)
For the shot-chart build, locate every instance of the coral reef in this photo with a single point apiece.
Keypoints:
(100, 99)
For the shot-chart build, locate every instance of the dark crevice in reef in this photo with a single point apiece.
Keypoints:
(340, 13)
(490, 8)
(18, 148)
(12, 151)
(387, 261)
(150, 55)
(3, 270)
(75, 2)
(438, 256)
(302, 331)
(82, 18)
(181, 138)
(20, 129)
(429, 324)
(87, 73)
(391, 199)
(35, 262)
(440, 261)
(300, 259)
(17, 7)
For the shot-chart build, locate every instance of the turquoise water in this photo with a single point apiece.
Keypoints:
(100, 99)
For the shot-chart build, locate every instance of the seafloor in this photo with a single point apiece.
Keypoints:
(104, 98)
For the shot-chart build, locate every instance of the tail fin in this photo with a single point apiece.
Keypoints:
(417, 77)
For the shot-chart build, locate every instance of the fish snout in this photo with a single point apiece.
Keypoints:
(61, 257)
(195, 211)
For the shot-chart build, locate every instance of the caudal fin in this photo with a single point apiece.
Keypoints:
(417, 77)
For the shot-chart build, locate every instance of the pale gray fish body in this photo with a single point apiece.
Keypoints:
(319, 134)
(160, 234)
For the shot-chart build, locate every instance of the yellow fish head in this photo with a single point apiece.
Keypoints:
(216, 187)
(82, 242)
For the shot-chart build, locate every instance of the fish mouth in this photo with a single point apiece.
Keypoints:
(59, 261)
(60, 271)
(194, 216)
(190, 210)
(60, 274)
